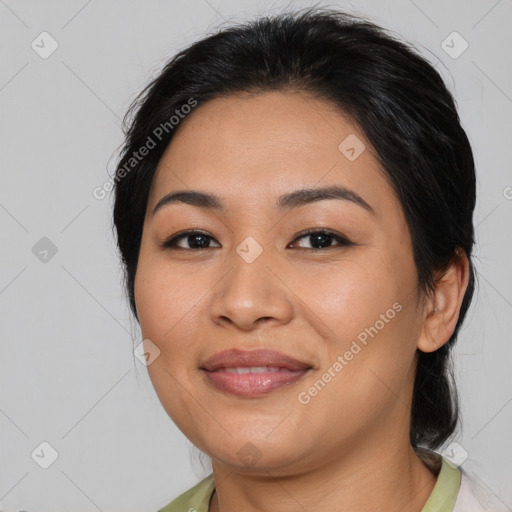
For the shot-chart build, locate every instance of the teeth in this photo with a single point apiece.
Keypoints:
(252, 369)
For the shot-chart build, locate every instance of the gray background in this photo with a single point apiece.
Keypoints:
(67, 371)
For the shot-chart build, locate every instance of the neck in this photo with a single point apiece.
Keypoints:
(395, 480)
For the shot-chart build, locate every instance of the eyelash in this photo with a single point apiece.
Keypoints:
(342, 240)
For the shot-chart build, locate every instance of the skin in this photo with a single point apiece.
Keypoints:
(304, 301)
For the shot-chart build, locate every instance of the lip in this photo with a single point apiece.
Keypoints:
(247, 358)
(286, 370)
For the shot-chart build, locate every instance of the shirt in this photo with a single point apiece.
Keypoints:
(453, 492)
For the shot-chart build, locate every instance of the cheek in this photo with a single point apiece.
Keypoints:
(353, 295)
(372, 315)
(164, 298)
(367, 377)
(165, 304)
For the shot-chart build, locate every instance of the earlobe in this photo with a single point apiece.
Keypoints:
(443, 306)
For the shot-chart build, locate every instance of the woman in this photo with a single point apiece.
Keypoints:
(293, 208)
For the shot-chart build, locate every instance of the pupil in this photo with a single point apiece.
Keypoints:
(319, 238)
(196, 238)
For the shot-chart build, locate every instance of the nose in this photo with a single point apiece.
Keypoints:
(253, 292)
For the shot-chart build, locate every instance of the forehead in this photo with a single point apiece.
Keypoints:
(246, 147)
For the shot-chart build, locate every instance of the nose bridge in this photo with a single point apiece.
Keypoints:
(253, 254)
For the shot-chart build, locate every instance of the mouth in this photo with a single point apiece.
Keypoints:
(253, 373)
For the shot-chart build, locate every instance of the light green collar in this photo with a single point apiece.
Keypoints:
(442, 498)
(196, 499)
(444, 494)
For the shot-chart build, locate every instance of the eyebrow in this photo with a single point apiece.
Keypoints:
(288, 201)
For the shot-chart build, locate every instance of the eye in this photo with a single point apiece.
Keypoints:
(322, 238)
(318, 238)
(194, 239)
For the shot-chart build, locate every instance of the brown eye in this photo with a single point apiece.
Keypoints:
(322, 239)
(193, 240)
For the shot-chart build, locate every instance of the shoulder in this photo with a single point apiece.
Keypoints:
(474, 496)
(196, 499)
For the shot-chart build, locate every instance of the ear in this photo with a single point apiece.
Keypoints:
(441, 310)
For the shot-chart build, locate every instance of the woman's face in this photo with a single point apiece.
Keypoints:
(346, 308)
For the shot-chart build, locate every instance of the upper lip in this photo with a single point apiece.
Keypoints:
(234, 358)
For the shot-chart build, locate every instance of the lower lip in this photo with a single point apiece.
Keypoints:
(252, 384)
